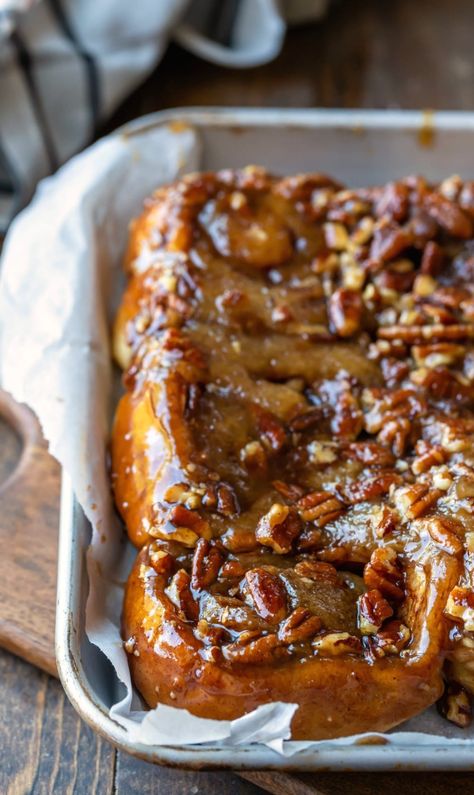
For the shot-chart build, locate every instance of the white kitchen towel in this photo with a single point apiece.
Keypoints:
(66, 64)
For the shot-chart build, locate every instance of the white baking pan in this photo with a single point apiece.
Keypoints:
(359, 148)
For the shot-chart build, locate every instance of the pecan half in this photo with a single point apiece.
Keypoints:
(267, 594)
(179, 592)
(299, 626)
(444, 533)
(206, 564)
(183, 518)
(250, 649)
(395, 435)
(278, 528)
(372, 610)
(384, 573)
(455, 705)
(320, 507)
(160, 560)
(317, 570)
(384, 521)
(421, 333)
(427, 457)
(432, 258)
(448, 215)
(271, 431)
(227, 504)
(413, 501)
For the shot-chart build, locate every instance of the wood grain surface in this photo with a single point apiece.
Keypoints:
(367, 53)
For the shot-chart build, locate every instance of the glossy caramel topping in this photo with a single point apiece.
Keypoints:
(297, 431)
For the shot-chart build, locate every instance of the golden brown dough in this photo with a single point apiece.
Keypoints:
(293, 453)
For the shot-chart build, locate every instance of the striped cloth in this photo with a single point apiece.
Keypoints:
(66, 64)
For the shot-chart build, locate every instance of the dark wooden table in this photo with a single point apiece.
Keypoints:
(367, 53)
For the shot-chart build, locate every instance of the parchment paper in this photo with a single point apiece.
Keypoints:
(60, 283)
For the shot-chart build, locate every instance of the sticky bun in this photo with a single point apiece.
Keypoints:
(293, 452)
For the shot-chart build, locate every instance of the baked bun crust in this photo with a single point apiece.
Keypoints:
(293, 452)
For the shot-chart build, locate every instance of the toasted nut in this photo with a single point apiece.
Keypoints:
(231, 569)
(227, 504)
(179, 592)
(206, 564)
(395, 434)
(414, 501)
(390, 640)
(438, 354)
(317, 570)
(345, 312)
(319, 507)
(460, 606)
(448, 215)
(373, 609)
(250, 649)
(424, 285)
(384, 573)
(267, 594)
(161, 561)
(432, 259)
(278, 528)
(428, 456)
(336, 236)
(443, 532)
(421, 333)
(253, 456)
(322, 452)
(184, 519)
(455, 705)
(333, 644)
(289, 491)
(299, 626)
(384, 521)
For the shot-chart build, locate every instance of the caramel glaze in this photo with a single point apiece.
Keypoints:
(293, 451)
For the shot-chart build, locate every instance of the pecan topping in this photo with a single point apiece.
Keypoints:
(395, 434)
(428, 456)
(432, 258)
(179, 592)
(421, 333)
(390, 640)
(289, 491)
(384, 521)
(251, 649)
(319, 507)
(345, 312)
(160, 560)
(206, 564)
(333, 644)
(267, 594)
(271, 430)
(317, 570)
(455, 705)
(299, 626)
(414, 501)
(384, 573)
(460, 606)
(369, 488)
(373, 609)
(444, 533)
(182, 517)
(227, 504)
(278, 528)
(448, 215)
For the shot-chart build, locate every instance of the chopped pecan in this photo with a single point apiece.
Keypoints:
(333, 644)
(432, 258)
(448, 215)
(320, 507)
(384, 521)
(271, 430)
(368, 488)
(390, 640)
(460, 606)
(370, 453)
(384, 405)
(227, 504)
(183, 518)
(289, 491)
(444, 533)
(372, 610)
(418, 334)
(278, 528)
(345, 312)
(317, 570)
(427, 457)
(384, 573)
(455, 705)
(299, 626)
(310, 418)
(179, 592)
(413, 501)
(230, 613)
(254, 457)
(395, 434)
(389, 241)
(231, 569)
(267, 594)
(206, 564)
(336, 236)
(393, 201)
(251, 649)
(160, 560)
(438, 354)
(322, 452)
